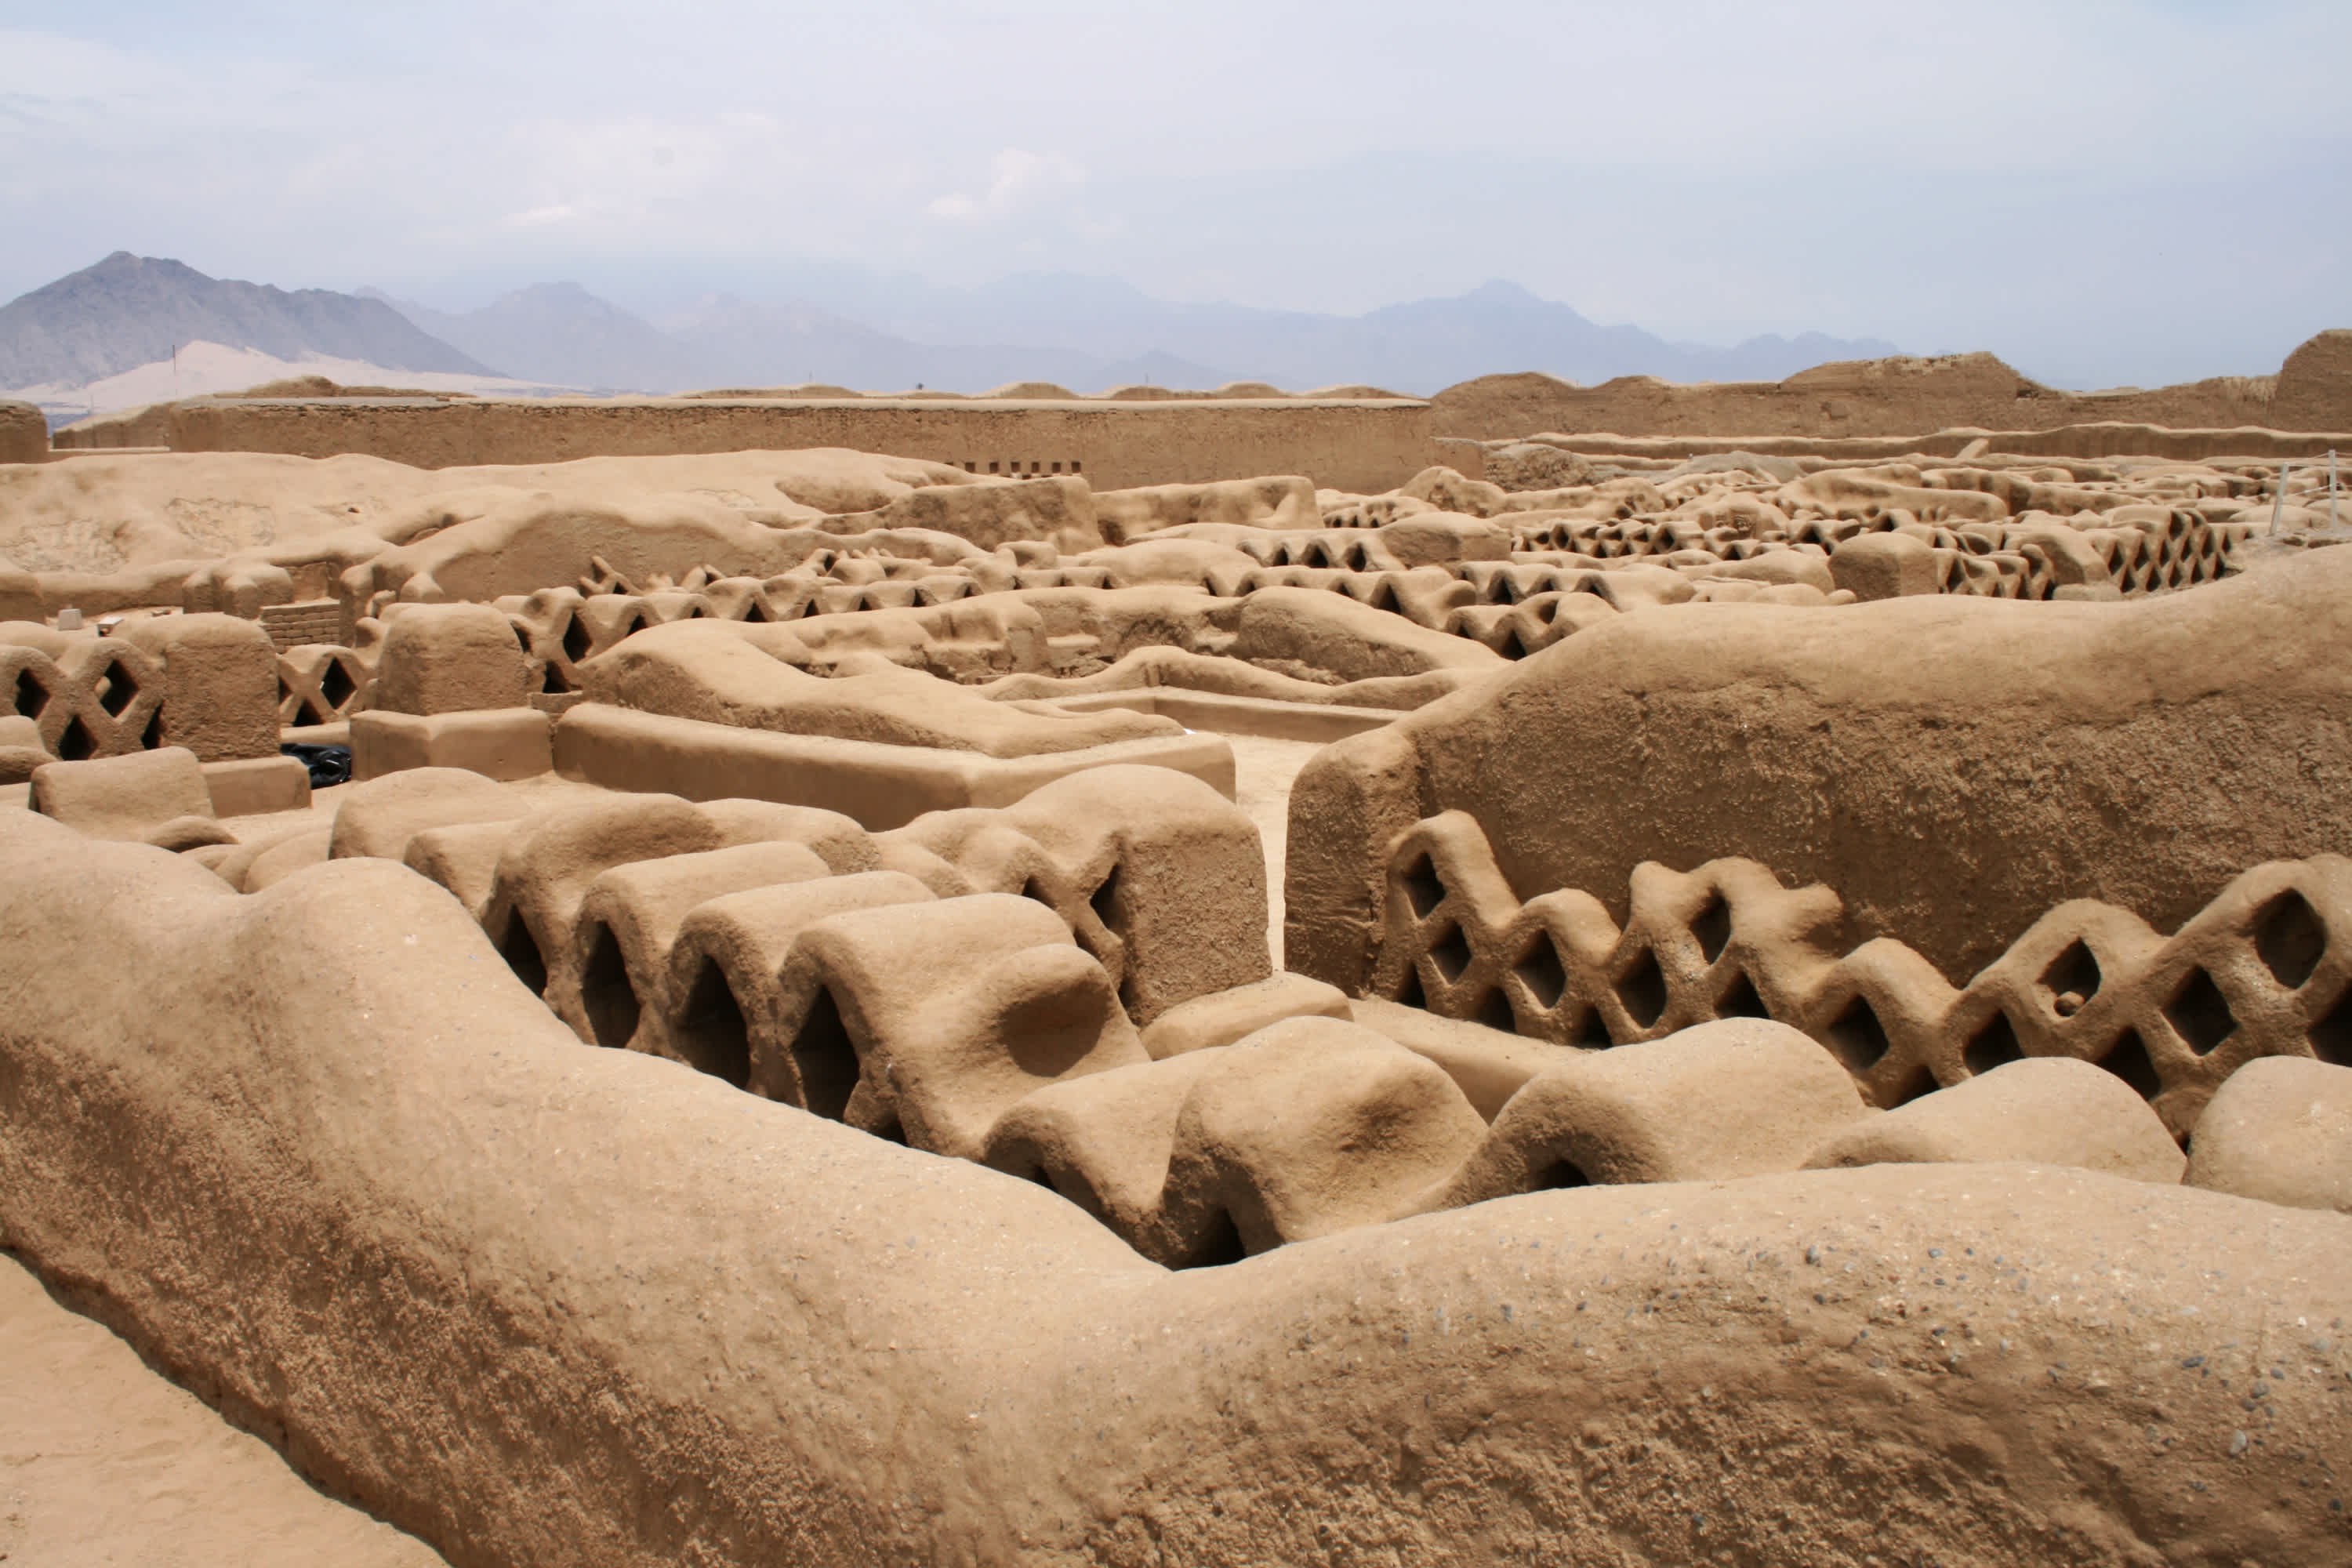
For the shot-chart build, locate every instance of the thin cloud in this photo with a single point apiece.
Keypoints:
(1019, 178)
(2013, 174)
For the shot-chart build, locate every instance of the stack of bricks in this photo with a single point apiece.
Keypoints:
(304, 624)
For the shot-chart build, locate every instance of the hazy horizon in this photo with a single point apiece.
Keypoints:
(2115, 193)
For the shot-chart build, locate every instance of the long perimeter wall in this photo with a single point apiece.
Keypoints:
(1368, 444)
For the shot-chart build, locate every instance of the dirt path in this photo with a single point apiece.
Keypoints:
(104, 1461)
(1264, 772)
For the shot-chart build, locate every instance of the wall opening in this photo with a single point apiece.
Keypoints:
(827, 1060)
(711, 1033)
(605, 994)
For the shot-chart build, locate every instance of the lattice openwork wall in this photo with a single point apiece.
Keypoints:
(1988, 560)
(1564, 575)
(2264, 970)
(319, 683)
(98, 699)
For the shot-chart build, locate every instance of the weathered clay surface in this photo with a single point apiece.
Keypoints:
(804, 1346)
(778, 1055)
(2049, 1110)
(1890, 750)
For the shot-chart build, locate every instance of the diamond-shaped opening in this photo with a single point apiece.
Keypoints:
(634, 624)
(1918, 1082)
(1410, 994)
(152, 736)
(1560, 1174)
(1858, 1037)
(1741, 1001)
(576, 640)
(1220, 1243)
(77, 744)
(1712, 926)
(552, 681)
(821, 1049)
(1643, 989)
(1451, 953)
(888, 1128)
(2073, 972)
(2200, 1013)
(116, 690)
(31, 695)
(1589, 1031)
(2129, 1061)
(520, 950)
(2331, 1032)
(1542, 972)
(711, 1031)
(1104, 901)
(1993, 1046)
(335, 684)
(1511, 647)
(1494, 1012)
(755, 613)
(1422, 889)
(2290, 936)
(605, 994)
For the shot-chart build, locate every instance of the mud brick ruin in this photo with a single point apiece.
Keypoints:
(1473, 994)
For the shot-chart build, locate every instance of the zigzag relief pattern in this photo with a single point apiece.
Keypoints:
(2264, 970)
(99, 699)
(1988, 560)
(1514, 609)
(1561, 574)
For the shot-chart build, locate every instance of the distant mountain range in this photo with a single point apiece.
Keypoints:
(131, 311)
(560, 332)
(1087, 333)
(1419, 347)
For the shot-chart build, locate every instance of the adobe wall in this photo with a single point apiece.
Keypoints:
(1367, 445)
(2104, 439)
(1899, 396)
(666, 1321)
(23, 434)
(2312, 393)
(2025, 753)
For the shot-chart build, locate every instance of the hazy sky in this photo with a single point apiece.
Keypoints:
(2135, 190)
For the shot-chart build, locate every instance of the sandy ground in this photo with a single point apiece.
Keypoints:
(103, 1461)
(203, 367)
